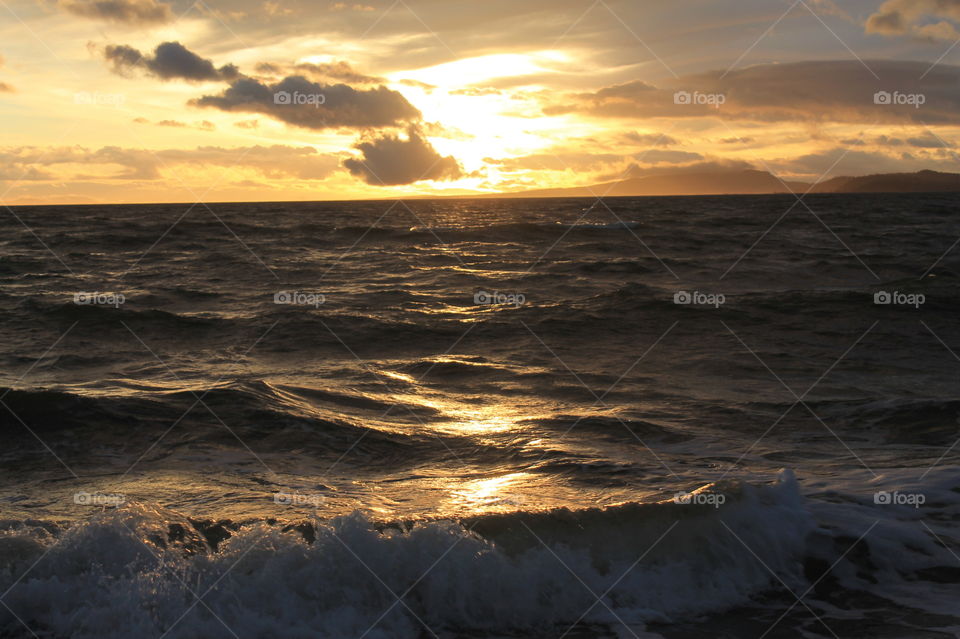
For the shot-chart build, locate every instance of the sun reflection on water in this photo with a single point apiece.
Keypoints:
(492, 493)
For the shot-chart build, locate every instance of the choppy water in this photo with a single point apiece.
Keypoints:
(309, 410)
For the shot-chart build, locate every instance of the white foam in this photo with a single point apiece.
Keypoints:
(106, 578)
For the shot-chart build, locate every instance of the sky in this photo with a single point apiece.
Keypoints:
(180, 101)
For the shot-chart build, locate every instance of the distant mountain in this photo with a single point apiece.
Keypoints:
(919, 182)
(677, 183)
(751, 182)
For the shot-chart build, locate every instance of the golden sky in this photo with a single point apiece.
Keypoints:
(153, 101)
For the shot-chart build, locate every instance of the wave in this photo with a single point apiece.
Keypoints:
(256, 407)
(138, 570)
(610, 226)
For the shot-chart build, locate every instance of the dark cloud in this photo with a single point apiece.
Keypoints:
(300, 102)
(928, 141)
(131, 12)
(6, 88)
(390, 160)
(170, 60)
(886, 140)
(922, 141)
(628, 91)
(835, 91)
(918, 18)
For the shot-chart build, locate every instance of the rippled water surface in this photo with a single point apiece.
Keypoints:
(280, 386)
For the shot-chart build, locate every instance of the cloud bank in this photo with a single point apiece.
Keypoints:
(836, 91)
(129, 12)
(311, 105)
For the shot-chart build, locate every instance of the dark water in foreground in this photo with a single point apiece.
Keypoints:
(482, 418)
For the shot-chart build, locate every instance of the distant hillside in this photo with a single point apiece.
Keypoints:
(919, 182)
(752, 182)
(679, 183)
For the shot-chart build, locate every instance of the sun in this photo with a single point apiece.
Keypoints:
(479, 116)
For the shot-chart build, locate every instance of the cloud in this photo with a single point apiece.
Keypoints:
(635, 170)
(558, 159)
(131, 12)
(650, 139)
(852, 163)
(925, 140)
(426, 88)
(438, 130)
(911, 17)
(928, 141)
(666, 156)
(390, 160)
(295, 99)
(340, 70)
(833, 91)
(276, 161)
(476, 91)
(300, 102)
(858, 162)
(4, 87)
(274, 9)
(170, 60)
(343, 6)
(203, 125)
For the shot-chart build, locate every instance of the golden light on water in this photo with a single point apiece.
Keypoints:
(493, 492)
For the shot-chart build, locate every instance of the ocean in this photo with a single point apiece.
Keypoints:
(725, 416)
